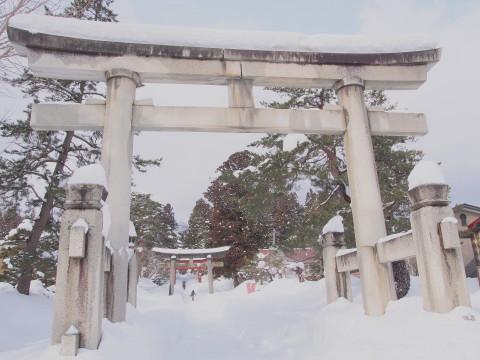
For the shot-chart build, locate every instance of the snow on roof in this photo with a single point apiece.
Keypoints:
(425, 172)
(220, 38)
(90, 174)
(191, 251)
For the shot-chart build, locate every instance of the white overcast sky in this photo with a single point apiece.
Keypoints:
(450, 98)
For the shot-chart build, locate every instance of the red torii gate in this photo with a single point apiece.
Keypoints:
(192, 259)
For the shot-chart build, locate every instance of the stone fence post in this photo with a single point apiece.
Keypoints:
(337, 284)
(439, 257)
(78, 310)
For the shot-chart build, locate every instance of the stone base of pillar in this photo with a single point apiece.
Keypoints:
(132, 280)
(377, 281)
(337, 284)
(116, 283)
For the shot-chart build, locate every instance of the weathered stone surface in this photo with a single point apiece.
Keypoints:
(116, 158)
(337, 283)
(367, 207)
(132, 280)
(402, 247)
(79, 286)
(441, 271)
(69, 345)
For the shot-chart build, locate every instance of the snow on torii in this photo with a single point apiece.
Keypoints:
(124, 55)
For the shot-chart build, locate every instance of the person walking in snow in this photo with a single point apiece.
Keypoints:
(183, 284)
(192, 294)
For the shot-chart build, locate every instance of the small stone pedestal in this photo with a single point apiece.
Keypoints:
(439, 257)
(337, 284)
(79, 286)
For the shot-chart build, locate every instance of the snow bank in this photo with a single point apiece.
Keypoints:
(334, 225)
(425, 172)
(282, 320)
(90, 174)
(220, 38)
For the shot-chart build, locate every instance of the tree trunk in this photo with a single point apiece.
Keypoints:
(26, 268)
(401, 278)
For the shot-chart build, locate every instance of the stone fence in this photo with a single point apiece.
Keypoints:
(433, 241)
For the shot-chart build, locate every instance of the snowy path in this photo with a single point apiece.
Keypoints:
(206, 323)
(286, 320)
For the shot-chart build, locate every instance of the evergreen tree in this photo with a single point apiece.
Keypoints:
(10, 218)
(154, 222)
(36, 163)
(198, 232)
(229, 224)
(321, 161)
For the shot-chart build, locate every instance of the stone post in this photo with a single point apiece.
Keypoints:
(78, 309)
(210, 274)
(476, 248)
(172, 275)
(337, 284)
(439, 256)
(367, 208)
(117, 161)
(132, 276)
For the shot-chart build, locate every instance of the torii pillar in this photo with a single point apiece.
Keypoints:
(117, 152)
(369, 222)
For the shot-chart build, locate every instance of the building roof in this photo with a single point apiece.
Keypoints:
(467, 207)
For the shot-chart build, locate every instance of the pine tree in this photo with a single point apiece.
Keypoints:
(154, 222)
(198, 232)
(229, 223)
(10, 218)
(155, 226)
(321, 160)
(36, 163)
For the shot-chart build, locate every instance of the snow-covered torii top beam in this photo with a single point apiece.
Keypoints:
(214, 253)
(84, 50)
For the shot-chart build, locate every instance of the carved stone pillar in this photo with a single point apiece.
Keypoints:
(337, 284)
(117, 161)
(78, 311)
(377, 279)
(439, 256)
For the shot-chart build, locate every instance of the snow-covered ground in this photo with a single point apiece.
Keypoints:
(282, 320)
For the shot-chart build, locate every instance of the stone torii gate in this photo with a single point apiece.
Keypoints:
(71, 49)
(189, 258)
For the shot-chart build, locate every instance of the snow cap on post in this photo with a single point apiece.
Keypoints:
(426, 172)
(334, 225)
(90, 174)
(427, 186)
